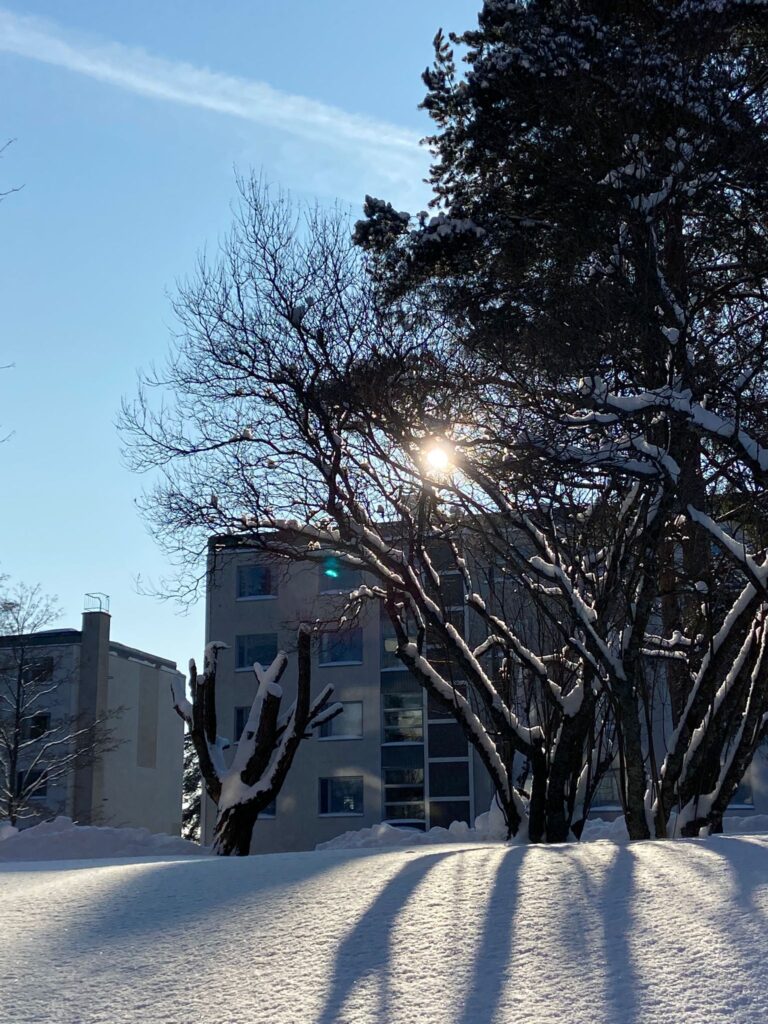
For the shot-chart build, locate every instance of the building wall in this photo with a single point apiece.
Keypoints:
(136, 780)
(141, 776)
(298, 823)
(455, 783)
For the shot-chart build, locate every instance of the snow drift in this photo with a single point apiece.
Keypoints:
(61, 839)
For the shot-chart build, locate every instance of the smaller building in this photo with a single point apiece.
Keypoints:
(136, 779)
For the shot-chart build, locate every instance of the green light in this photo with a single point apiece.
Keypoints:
(331, 568)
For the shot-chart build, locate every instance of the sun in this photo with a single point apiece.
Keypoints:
(437, 458)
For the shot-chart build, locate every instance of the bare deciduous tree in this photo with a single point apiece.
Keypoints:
(41, 742)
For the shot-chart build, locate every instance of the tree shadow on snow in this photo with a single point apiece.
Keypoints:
(613, 898)
(367, 949)
(513, 957)
(494, 950)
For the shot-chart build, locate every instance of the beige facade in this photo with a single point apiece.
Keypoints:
(136, 781)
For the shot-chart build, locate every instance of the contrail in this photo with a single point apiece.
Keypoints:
(177, 82)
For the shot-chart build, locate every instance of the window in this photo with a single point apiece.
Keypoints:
(607, 792)
(449, 778)
(342, 795)
(241, 717)
(335, 576)
(254, 581)
(35, 783)
(37, 726)
(443, 812)
(402, 717)
(269, 811)
(438, 709)
(389, 658)
(346, 726)
(255, 647)
(446, 739)
(343, 648)
(38, 671)
(404, 794)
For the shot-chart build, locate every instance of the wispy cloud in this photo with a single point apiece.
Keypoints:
(139, 72)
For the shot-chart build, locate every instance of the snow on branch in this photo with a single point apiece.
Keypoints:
(266, 747)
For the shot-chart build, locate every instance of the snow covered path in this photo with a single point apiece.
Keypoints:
(600, 933)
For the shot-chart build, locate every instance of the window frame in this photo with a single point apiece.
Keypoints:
(27, 730)
(271, 596)
(340, 633)
(340, 814)
(340, 719)
(249, 666)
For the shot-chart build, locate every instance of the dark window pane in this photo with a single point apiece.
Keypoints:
(345, 646)
(390, 701)
(241, 717)
(399, 682)
(38, 725)
(449, 779)
(437, 708)
(38, 671)
(447, 741)
(348, 723)
(452, 591)
(403, 757)
(409, 810)
(403, 776)
(341, 795)
(443, 814)
(255, 647)
(404, 793)
(441, 556)
(254, 581)
(33, 783)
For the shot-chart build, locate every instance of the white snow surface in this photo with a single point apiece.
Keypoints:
(483, 933)
(489, 827)
(61, 840)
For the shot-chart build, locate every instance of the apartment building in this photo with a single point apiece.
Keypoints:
(136, 781)
(391, 756)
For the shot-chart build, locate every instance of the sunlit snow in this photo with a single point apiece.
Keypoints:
(601, 932)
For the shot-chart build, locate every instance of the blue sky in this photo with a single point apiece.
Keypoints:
(128, 120)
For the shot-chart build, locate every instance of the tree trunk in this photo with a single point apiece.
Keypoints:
(234, 830)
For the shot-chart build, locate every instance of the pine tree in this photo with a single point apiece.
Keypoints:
(192, 791)
(600, 245)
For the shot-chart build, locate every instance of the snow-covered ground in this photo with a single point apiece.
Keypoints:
(600, 932)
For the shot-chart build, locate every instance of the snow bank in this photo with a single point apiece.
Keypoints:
(489, 828)
(7, 830)
(61, 839)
